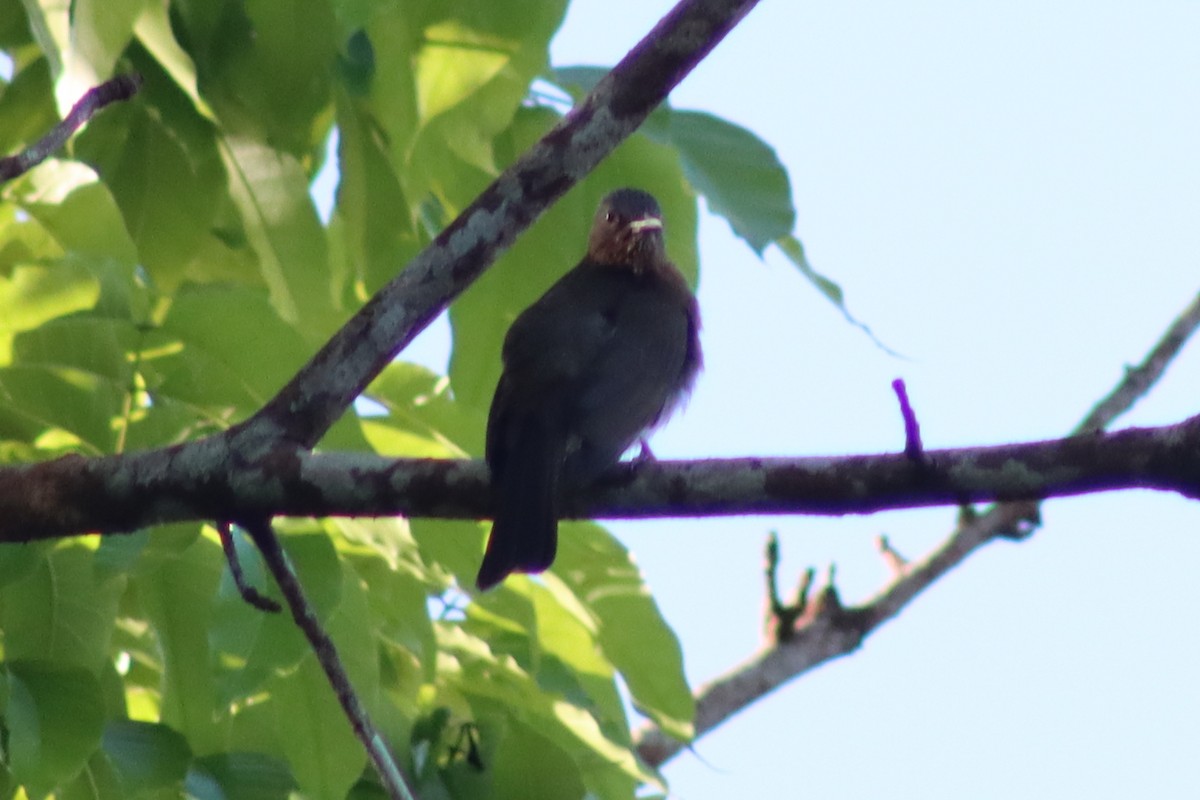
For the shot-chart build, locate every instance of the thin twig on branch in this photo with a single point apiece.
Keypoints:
(250, 595)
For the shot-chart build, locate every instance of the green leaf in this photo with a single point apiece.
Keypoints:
(631, 629)
(94, 345)
(224, 345)
(324, 755)
(500, 692)
(147, 756)
(14, 27)
(791, 247)
(471, 72)
(419, 401)
(100, 31)
(531, 766)
(455, 545)
(240, 776)
(62, 611)
(34, 294)
(49, 22)
(376, 221)
(144, 163)
(27, 105)
(392, 100)
(77, 210)
(280, 76)
(397, 597)
(573, 662)
(490, 57)
(739, 175)
(71, 374)
(251, 646)
(67, 405)
(454, 62)
(269, 188)
(55, 716)
(153, 29)
(578, 80)
(175, 589)
(98, 780)
(18, 560)
(119, 554)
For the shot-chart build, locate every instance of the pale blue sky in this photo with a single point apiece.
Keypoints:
(1009, 193)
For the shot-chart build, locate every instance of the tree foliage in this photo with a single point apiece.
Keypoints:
(167, 274)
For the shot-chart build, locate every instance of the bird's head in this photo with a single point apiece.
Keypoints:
(628, 231)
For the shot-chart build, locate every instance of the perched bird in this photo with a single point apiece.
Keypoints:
(603, 355)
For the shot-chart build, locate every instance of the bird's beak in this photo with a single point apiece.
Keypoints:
(646, 224)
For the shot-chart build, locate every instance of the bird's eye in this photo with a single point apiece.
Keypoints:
(610, 216)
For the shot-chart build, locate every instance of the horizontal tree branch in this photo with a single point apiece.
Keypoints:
(207, 480)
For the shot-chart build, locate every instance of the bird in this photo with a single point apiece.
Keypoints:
(604, 355)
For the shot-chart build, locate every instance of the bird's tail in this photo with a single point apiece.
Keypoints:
(525, 531)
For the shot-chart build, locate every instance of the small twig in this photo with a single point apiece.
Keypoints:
(1139, 379)
(774, 603)
(119, 88)
(829, 602)
(306, 619)
(251, 595)
(802, 590)
(913, 449)
(897, 563)
(781, 619)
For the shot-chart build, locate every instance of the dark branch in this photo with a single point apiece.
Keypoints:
(204, 480)
(913, 449)
(249, 594)
(119, 88)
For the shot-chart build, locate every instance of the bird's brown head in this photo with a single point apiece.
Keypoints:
(628, 231)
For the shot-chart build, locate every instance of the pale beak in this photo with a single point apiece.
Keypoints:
(646, 224)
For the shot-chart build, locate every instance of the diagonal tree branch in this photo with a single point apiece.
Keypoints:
(829, 631)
